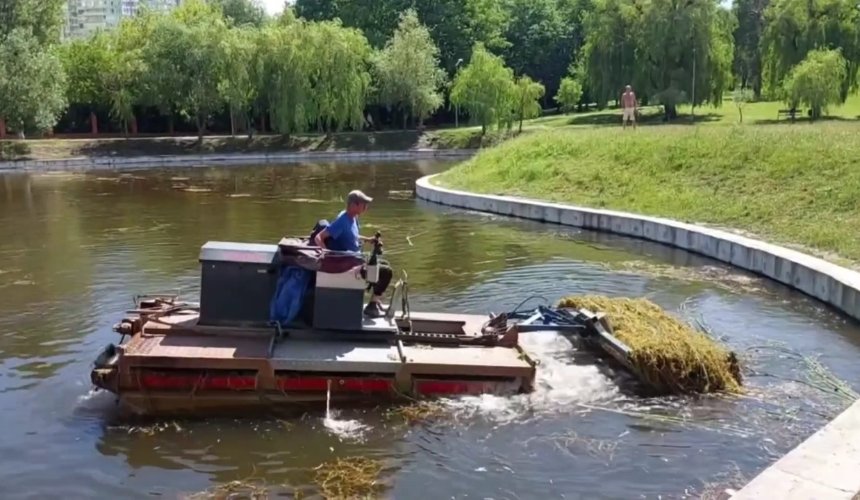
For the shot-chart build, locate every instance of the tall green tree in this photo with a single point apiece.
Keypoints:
(188, 46)
(43, 18)
(796, 27)
(608, 59)
(407, 70)
(455, 25)
(747, 41)
(539, 43)
(32, 83)
(816, 81)
(242, 12)
(485, 88)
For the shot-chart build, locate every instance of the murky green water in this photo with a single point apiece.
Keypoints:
(75, 248)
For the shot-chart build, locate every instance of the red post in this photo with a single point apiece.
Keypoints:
(94, 123)
(2, 128)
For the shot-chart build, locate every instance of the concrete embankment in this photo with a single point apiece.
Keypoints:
(824, 466)
(237, 159)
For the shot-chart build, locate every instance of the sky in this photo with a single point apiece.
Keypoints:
(273, 6)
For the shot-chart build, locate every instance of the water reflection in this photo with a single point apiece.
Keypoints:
(77, 247)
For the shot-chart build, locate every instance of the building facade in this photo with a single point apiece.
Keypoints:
(85, 17)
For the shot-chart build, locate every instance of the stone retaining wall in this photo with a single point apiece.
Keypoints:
(234, 159)
(832, 284)
(826, 465)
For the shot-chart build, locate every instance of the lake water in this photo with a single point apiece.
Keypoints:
(75, 248)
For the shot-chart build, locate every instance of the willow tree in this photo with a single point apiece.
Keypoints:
(796, 27)
(407, 70)
(527, 99)
(283, 73)
(608, 54)
(672, 51)
(340, 75)
(237, 87)
(485, 88)
(32, 83)
(816, 81)
(569, 93)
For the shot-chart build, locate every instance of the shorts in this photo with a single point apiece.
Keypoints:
(628, 114)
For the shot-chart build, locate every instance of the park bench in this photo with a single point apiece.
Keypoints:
(788, 113)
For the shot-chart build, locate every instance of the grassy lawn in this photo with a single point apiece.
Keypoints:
(797, 184)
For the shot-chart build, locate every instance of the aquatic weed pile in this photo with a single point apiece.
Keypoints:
(670, 355)
(354, 477)
(418, 411)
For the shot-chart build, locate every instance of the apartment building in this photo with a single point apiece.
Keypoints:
(84, 17)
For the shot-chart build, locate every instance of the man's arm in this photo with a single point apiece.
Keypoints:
(332, 231)
(320, 238)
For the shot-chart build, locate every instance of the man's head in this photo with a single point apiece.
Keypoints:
(356, 202)
(628, 88)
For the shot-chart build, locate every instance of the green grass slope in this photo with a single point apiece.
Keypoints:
(793, 184)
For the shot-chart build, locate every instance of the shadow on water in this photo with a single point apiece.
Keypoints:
(76, 247)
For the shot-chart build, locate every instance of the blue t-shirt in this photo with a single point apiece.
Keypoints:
(344, 234)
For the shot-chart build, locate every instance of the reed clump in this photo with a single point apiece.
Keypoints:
(671, 357)
(353, 477)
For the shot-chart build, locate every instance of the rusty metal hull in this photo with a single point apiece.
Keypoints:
(171, 364)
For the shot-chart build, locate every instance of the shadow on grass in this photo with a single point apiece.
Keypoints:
(614, 119)
(804, 119)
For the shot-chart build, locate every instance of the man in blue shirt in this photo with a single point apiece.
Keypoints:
(343, 235)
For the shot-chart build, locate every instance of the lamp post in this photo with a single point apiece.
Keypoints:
(693, 108)
(457, 106)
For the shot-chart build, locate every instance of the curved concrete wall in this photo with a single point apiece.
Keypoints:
(822, 467)
(832, 284)
(120, 162)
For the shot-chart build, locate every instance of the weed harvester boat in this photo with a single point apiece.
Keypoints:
(224, 353)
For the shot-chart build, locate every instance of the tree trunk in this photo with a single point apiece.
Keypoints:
(199, 129)
(483, 129)
(521, 125)
(232, 123)
(94, 123)
(816, 112)
(405, 118)
(170, 124)
(670, 112)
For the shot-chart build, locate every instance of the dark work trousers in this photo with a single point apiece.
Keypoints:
(385, 275)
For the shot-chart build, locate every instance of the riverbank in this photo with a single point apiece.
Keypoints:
(795, 185)
(70, 148)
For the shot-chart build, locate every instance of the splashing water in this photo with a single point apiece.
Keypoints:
(342, 428)
(560, 385)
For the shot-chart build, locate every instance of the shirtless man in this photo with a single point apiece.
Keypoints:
(628, 107)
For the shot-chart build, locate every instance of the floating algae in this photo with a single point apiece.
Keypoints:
(418, 411)
(670, 356)
(354, 477)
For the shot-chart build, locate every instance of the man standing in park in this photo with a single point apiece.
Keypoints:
(628, 107)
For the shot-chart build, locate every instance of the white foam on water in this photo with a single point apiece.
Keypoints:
(343, 429)
(560, 385)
